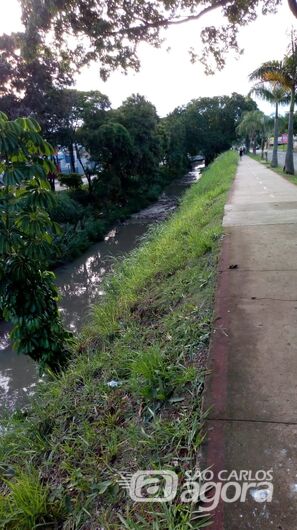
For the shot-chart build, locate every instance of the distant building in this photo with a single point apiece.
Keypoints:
(282, 140)
(62, 158)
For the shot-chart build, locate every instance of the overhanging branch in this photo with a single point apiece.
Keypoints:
(171, 22)
(293, 7)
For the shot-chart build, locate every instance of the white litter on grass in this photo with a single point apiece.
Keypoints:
(3, 430)
(4, 383)
(113, 383)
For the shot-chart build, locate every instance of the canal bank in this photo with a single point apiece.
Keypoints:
(80, 284)
(131, 399)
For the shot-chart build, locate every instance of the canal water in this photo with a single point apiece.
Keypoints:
(80, 284)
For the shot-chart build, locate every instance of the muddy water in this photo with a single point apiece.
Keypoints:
(80, 284)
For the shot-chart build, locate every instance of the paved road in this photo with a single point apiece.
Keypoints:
(253, 386)
(281, 160)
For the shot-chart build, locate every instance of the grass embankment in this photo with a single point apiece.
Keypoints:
(85, 219)
(62, 460)
(279, 170)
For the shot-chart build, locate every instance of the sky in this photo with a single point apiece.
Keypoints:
(167, 78)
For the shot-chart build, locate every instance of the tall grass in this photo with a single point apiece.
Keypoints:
(132, 397)
(189, 234)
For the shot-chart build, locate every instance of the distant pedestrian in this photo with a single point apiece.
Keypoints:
(51, 177)
(240, 152)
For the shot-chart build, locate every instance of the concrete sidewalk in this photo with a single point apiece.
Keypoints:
(253, 385)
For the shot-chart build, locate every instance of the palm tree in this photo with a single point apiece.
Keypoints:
(277, 95)
(251, 125)
(267, 130)
(285, 73)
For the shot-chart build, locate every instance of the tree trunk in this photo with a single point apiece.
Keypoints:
(289, 162)
(79, 157)
(89, 179)
(72, 159)
(52, 181)
(274, 160)
(263, 141)
(247, 144)
(255, 144)
(85, 170)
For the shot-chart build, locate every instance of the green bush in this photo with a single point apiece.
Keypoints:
(76, 238)
(71, 180)
(95, 229)
(65, 209)
(82, 196)
(153, 192)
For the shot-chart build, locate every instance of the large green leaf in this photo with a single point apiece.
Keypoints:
(28, 296)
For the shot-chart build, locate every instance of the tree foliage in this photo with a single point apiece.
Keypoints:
(28, 295)
(61, 36)
(140, 118)
(111, 30)
(28, 71)
(252, 126)
(276, 94)
(126, 145)
(111, 147)
(65, 111)
(211, 123)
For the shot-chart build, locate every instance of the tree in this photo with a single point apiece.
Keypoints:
(267, 130)
(32, 83)
(65, 111)
(140, 118)
(49, 51)
(174, 145)
(277, 95)
(285, 73)
(28, 295)
(46, 55)
(112, 30)
(111, 147)
(251, 125)
(211, 123)
(28, 72)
